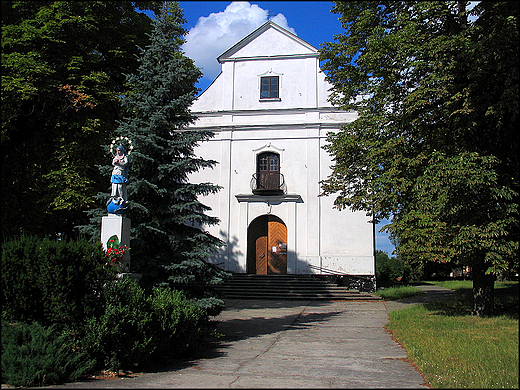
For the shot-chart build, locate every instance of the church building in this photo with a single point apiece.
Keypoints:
(269, 112)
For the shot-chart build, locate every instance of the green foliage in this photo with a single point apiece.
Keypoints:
(389, 270)
(51, 281)
(113, 242)
(121, 336)
(435, 146)
(166, 214)
(211, 305)
(506, 299)
(62, 77)
(167, 217)
(196, 277)
(459, 212)
(64, 284)
(135, 329)
(179, 323)
(35, 355)
(416, 271)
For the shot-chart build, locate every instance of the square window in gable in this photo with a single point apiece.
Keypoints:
(269, 87)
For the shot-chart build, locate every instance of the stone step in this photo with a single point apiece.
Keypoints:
(303, 287)
(293, 295)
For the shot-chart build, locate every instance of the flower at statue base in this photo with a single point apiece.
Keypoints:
(115, 254)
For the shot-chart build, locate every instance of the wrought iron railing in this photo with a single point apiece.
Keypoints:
(358, 282)
(274, 184)
(328, 271)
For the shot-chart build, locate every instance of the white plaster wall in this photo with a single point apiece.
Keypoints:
(238, 86)
(318, 234)
(212, 100)
(302, 83)
(296, 127)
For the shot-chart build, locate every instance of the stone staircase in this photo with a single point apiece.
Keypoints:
(288, 287)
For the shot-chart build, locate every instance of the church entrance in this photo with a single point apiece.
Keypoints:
(267, 246)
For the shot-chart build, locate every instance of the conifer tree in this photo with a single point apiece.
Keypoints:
(168, 240)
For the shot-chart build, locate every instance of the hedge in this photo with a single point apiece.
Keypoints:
(51, 281)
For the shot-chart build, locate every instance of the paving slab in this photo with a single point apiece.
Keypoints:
(289, 344)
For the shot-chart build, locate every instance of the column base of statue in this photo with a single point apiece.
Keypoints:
(131, 275)
(117, 225)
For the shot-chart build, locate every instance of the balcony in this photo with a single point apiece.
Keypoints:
(268, 184)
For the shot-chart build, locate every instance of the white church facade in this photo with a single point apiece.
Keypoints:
(269, 112)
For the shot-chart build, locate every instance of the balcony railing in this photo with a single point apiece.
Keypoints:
(268, 184)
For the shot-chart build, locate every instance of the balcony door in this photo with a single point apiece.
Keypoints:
(268, 171)
(267, 246)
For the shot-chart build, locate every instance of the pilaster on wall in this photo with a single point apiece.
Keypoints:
(313, 226)
(228, 95)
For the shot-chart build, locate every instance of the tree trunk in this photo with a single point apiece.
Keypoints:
(483, 291)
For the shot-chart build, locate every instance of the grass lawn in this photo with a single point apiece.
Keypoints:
(454, 349)
(398, 292)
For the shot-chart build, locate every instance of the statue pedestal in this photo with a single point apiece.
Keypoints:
(119, 226)
(133, 276)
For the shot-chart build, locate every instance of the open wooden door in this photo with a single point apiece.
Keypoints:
(257, 240)
(267, 246)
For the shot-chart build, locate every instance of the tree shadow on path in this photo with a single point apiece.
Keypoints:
(243, 328)
(243, 325)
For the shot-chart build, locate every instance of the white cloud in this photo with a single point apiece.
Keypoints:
(469, 8)
(214, 34)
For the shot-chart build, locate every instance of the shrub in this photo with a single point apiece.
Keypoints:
(179, 323)
(65, 284)
(51, 281)
(35, 355)
(134, 329)
(121, 336)
(212, 305)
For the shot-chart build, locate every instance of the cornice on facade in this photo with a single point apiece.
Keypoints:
(289, 118)
(270, 200)
(274, 57)
(228, 54)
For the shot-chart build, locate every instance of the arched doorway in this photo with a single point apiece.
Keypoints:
(267, 246)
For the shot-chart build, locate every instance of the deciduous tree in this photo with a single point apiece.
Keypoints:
(435, 145)
(63, 66)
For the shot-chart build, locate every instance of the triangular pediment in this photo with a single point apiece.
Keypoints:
(269, 40)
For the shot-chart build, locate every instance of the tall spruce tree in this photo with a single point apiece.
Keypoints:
(168, 241)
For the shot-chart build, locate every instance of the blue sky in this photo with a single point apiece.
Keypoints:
(215, 26)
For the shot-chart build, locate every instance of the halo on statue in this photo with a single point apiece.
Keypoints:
(120, 141)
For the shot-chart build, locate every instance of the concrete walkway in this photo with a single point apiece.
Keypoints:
(295, 344)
